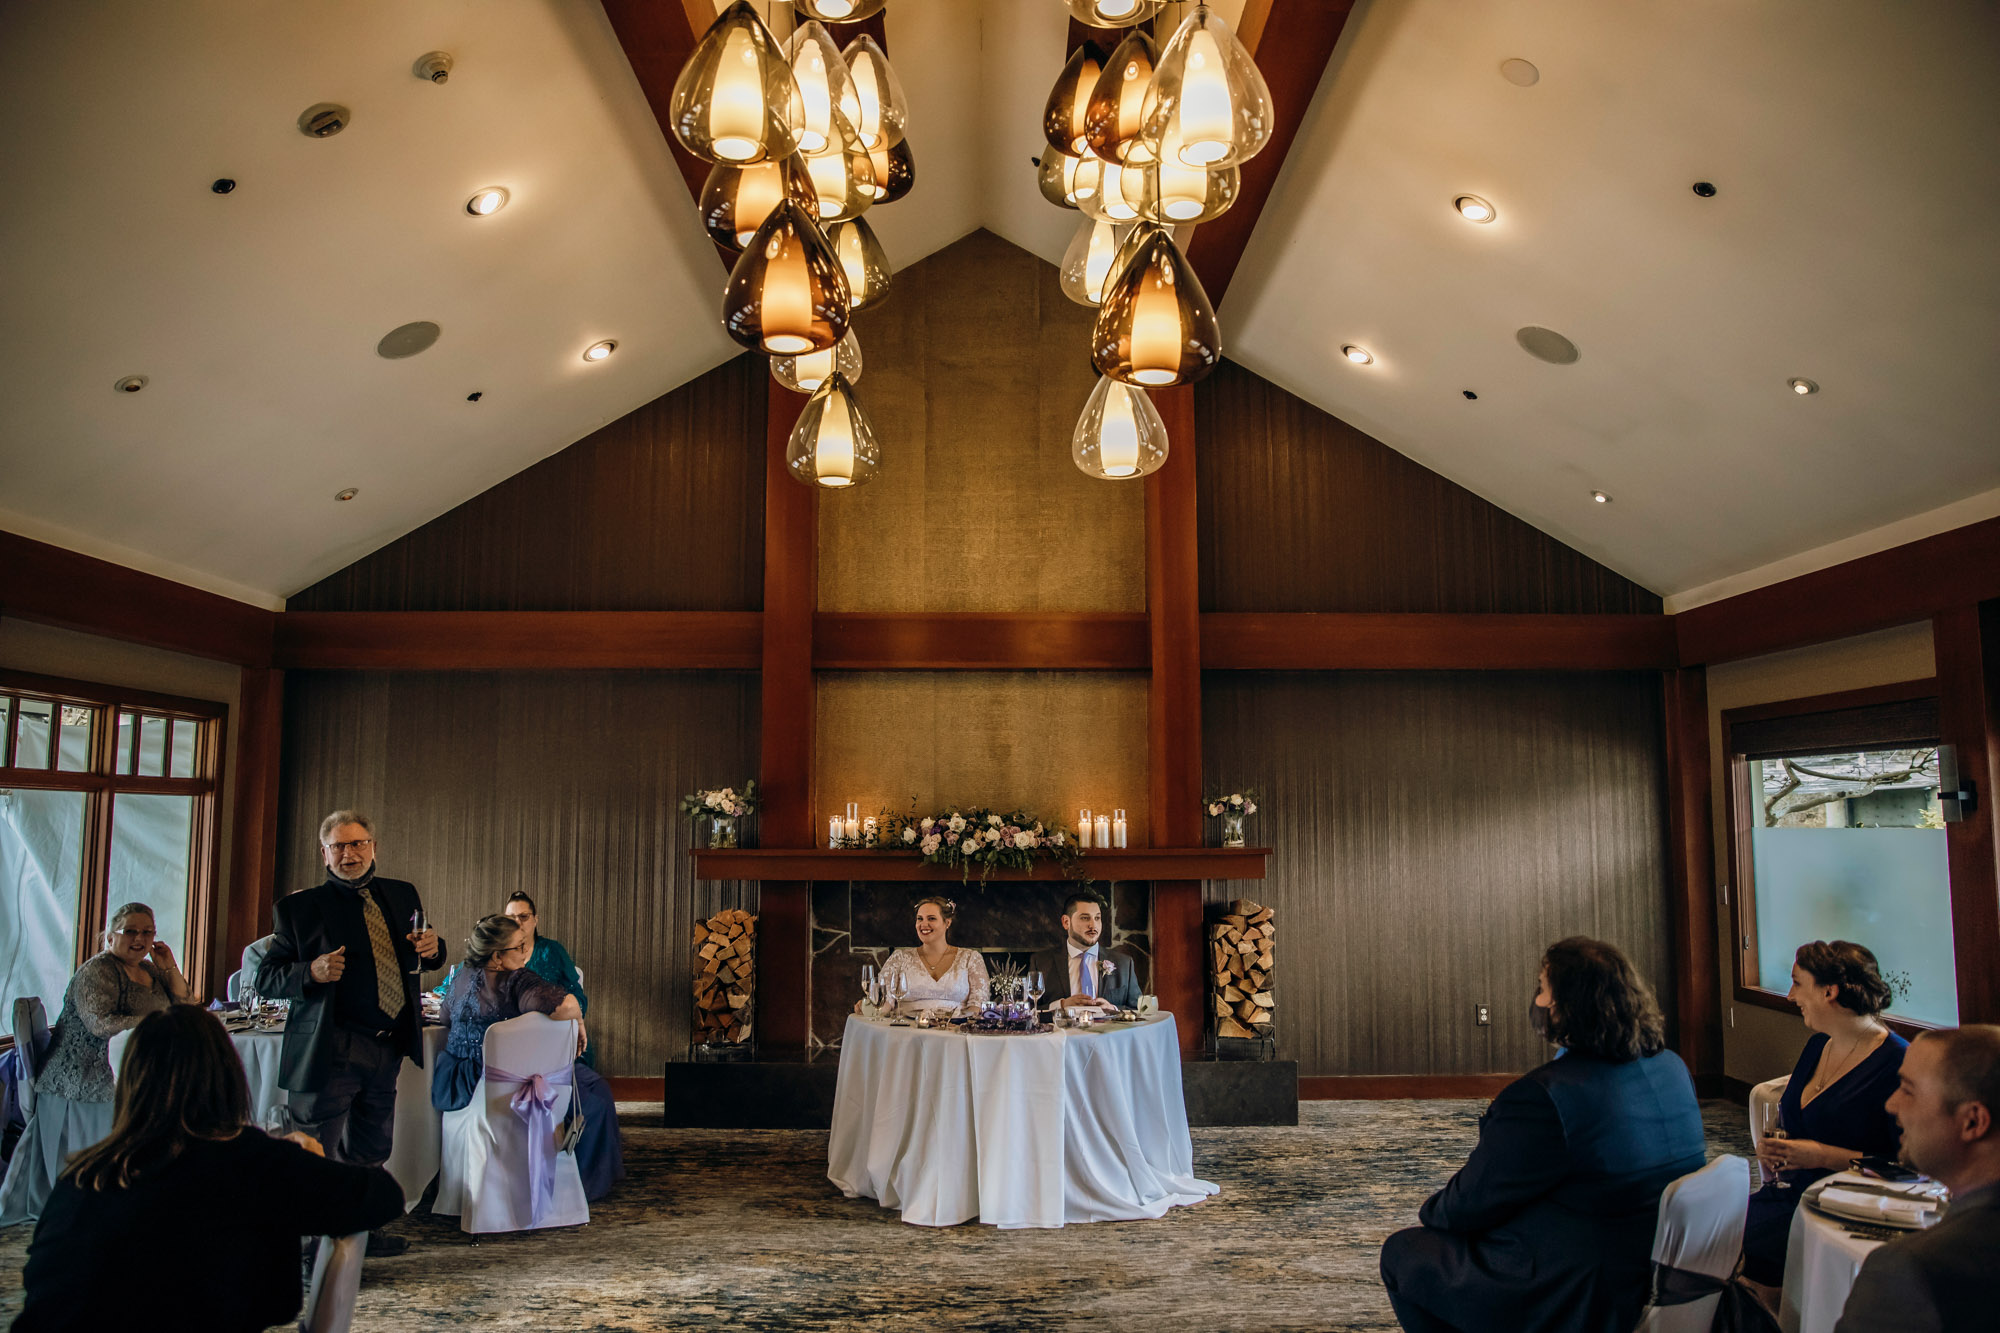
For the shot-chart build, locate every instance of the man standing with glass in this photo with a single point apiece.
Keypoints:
(350, 955)
(1078, 970)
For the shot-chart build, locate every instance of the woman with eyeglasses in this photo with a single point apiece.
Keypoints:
(134, 976)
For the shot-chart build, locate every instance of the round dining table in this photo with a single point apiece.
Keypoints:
(1015, 1130)
(1821, 1260)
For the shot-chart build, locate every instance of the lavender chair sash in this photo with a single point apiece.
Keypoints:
(535, 1103)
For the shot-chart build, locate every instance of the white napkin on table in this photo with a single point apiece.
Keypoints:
(1866, 1207)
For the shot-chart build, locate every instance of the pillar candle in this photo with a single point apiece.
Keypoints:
(1103, 834)
(835, 830)
(1118, 829)
(1083, 828)
(852, 827)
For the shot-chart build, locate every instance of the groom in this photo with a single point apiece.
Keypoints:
(1074, 969)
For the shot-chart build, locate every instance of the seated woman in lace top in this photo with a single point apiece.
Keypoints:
(938, 975)
(491, 986)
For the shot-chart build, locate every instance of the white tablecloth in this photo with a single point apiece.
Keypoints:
(1015, 1131)
(1821, 1261)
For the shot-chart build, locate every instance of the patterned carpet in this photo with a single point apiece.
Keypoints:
(730, 1230)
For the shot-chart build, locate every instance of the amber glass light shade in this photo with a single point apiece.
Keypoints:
(884, 113)
(833, 444)
(1120, 435)
(838, 11)
(1178, 195)
(1064, 180)
(787, 294)
(1114, 13)
(843, 179)
(736, 200)
(825, 88)
(895, 171)
(862, 260)
(1089, 262)
(1062, 117)
(733, 101)
(1119, 193)
(803, 374)
(1208, 95)
(1115, 119)
(1155, 326)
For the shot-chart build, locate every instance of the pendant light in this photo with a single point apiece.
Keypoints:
(733, 101)
(862, 261)
(1177, 194)
(833, 444)
(1119, 193)
(1208, 94)
(825, 87)
(838, 11)
(843, 178)
(1120, 434)
(1088, 263)
(1063, 115)
(787, 294)
(895, 171)
(884, 113)
(736, 200)
(1155, 326)
(803, 374)
(1067, 181)
(1114, 13)
(1115, 119)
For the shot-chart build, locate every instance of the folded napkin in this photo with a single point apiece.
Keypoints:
(1894, 1211)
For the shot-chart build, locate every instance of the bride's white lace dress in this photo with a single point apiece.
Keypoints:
(962, 988)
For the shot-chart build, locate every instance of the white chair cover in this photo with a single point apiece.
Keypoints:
(336, 1284)
(488, 1169)
(114, 1051)
(31, 1039)
(57, 1131)
(1764, 1094)
(1700, 1232)
(233, 990)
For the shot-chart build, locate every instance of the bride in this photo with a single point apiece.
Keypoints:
(939, 976)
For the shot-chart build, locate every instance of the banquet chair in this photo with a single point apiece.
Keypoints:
(31, 1039)
(503, 1142)
(1695, 1247)
(233, 990)
(336, 1284)
(1769, 1091)
(114, 1051)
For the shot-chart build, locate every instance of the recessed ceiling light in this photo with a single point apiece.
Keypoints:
(1600, 497)
(1473, 209)
(1803, 387)
(342, 497)
(1360, 356)
(132, 384)
(598, 351)
(487, 202)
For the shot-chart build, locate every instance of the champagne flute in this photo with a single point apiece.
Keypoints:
(1771, 1125)
(418, 924)
(868, 983)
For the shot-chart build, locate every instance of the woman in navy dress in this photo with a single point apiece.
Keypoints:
(492, 986)
(1833, 1108)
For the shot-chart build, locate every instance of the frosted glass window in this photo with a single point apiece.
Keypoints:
(31, 732)
(41, 862)
(150, 837)
(73, 751)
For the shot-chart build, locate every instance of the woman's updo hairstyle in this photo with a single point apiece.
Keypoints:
(490, 934)
(519, 897)
(1851, 967)
(946, 907)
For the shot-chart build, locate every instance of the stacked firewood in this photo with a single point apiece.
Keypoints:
(725, 977)
(1239, 954)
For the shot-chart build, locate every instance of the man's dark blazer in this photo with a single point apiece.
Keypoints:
(1122, 990)
(1932, 1280)
(299, 934)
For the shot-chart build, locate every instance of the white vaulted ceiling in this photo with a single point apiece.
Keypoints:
(1851, 241)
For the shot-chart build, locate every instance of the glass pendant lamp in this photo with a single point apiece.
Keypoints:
(1120, 190)
(1087, 264)
(736, 200)
(803, 374)
(862, 260)
(1176, 194)
(1155, 326)
(895, 171)
(884, 113)
(838, 11)
(1115, 117)
(787, 294)
(1208, 94)
(1114, 13)
(843, 178)
(1062, 116)
(1067, 181)
(833, 445)
(733, 100)
(825, 87)
(1120, 434)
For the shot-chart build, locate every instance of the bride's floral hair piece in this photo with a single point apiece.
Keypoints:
(946, 907)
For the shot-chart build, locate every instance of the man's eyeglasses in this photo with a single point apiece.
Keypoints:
(338, 847)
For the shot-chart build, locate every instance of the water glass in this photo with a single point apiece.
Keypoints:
(277, 1121)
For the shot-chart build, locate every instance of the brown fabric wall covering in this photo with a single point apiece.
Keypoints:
(1432, 833)
(561, 784)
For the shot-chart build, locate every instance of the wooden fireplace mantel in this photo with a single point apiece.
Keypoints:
(797, 864)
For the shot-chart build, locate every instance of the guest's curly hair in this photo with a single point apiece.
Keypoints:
(1601, 1007)
(1851, 967)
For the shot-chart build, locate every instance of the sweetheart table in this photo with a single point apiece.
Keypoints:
(1017, 1131)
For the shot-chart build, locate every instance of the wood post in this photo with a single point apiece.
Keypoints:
(1967, 641)
(1691, 873)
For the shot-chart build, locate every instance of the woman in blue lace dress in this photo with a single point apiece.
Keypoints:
(492, 986)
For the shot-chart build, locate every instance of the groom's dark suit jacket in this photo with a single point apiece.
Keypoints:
(1122, 989)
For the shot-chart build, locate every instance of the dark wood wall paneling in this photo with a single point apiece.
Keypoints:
(661, 510)
(1431, 834)
(561, 784)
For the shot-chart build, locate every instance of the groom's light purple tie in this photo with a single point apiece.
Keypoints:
(1086, 975)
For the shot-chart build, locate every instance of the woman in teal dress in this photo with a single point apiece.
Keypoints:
(549, 961)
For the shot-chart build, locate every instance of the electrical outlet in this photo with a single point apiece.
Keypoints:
(1482, 1015)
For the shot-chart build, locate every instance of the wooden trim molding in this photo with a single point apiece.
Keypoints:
(1391, 1087)
(1690, 872)
(1832, 702)
(1135, 863)
(519, 640)
(980, 641)
(1383, 641)
(253, 858)
(1968, 667)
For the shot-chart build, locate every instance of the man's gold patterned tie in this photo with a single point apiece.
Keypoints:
(388, 972)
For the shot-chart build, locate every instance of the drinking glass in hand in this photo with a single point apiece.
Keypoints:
(277, 1121)
(419, 923)
(1771, 1125)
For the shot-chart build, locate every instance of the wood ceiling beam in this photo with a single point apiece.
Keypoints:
(520, 640)
(658, 37)
(980, 641)
(1434, 641)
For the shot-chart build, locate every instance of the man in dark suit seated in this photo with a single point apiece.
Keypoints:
(1549, 1225)
(1948, 1104)
(346, 956)
(1084, 976)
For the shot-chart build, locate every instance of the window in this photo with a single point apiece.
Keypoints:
(1837, 834)
(107, 796)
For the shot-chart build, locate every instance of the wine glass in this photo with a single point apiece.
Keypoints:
(1771, 1125)
(868, 982)
(277, 1120)
(418, 924)
(1035, 989)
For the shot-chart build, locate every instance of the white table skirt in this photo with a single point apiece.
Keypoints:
(1014, 1131)
(1821, 1261)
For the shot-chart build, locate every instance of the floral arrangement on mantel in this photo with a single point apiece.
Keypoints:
(1230, 810)
(722, 807)
(979, 838)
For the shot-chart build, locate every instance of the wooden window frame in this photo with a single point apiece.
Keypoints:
(1739, 805)
(101, 784)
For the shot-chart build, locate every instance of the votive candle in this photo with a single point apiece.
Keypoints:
(1083, 828)
(868, 829)
(1103, 834)
(1118, 829)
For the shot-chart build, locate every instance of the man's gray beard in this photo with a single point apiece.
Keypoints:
(338, 873)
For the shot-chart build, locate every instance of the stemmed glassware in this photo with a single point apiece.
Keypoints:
(277, 1121)
(419, 923)
(1035, 992)
(1771, 1125)
(868, 983)
(899, 990)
